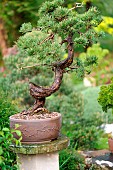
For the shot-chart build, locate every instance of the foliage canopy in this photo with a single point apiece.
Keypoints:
(44, 44)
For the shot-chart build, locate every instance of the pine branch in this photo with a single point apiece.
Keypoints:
(35, 65)
(50, 37)
(77, 5)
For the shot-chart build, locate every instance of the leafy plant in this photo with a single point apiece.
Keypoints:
(7, 157)
(105, 98)
(106, 25)
(95, 50)
(98, 72)
(7, 108)
(71, 160)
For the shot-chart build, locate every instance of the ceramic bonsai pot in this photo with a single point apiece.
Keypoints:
(110, 143)
(37, 130)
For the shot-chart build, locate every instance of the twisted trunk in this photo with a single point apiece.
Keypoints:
(40, 92)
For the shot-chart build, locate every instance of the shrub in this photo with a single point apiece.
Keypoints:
(71, 160)
(6, 109)
(105, 98)
(8, 158)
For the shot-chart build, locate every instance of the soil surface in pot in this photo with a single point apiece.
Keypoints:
(35, 116)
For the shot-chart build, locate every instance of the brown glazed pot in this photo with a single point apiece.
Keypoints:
(110, 143)
(38, 130)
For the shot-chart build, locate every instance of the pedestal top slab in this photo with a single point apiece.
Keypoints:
(56, 145)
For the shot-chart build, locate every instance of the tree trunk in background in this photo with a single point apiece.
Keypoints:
(88, 5)
(3, 38)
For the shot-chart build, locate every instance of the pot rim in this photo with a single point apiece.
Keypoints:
(11, 118)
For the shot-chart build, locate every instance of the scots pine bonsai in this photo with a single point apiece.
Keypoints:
(59, 31)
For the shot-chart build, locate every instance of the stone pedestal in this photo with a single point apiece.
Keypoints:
(42, 156)
(39, 161)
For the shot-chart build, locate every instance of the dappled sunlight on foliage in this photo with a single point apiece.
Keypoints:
(106, 25)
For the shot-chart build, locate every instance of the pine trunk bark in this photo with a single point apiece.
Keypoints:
(40, 93)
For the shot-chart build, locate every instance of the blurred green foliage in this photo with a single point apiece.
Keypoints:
(102, 71)
(95, 50)
(15, 12)
(105, 7)
(6, 108)
(102, 143)
(71, 160)
(106, 25)
(91, 106)
(7, 158)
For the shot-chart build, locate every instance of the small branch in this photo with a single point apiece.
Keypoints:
(62, 18)
(71, 68)
(72, 8)
(21, 68)
(77, 5)
(50, 37)
(41, 28)
(63, 41)
(74, 67)
(80, 33)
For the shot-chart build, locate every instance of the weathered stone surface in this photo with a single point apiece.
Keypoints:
(105, 161)
(94, 153)
(61, 143)
(48, 161)
(99, 160)
(97, 167)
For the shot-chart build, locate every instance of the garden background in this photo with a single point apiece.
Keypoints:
(76, 99)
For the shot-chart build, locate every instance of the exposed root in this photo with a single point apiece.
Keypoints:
(42, 111)
(38, 111)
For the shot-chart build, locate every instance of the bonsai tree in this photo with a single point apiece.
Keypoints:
(59, 31)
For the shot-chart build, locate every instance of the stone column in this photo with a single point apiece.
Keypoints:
(43, 156)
